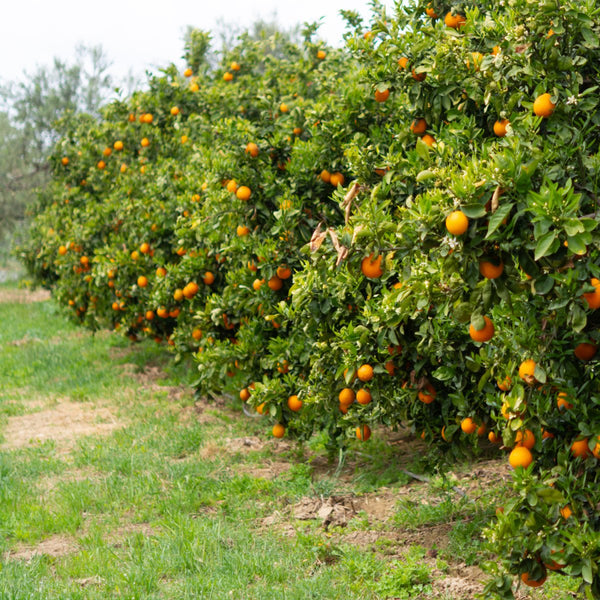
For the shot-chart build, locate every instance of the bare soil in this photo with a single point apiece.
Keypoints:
(23, 296)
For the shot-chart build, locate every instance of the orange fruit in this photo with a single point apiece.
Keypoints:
(526, 439)
(468, 425)
(526, 371)
(390, 367)
(428, 394)
(284, 272)
(418, 76)
(178, 295)
(232, 186)
(64, 160)
(580, 448)
(543, 105)
(346, 397)
(190, 290)
(585, 351)
(457, 222)
(118, 145)
(365, 372)
(101, 164)
(278, 430)
(283, 107)
(336, 179)
(382, 96)
(533, 582)
(244, 394)
(371, 267)
(145, 142)
(275, 283)
(197, 334)
(142, 281)
(454, 21)
(430, 12)
(321, 54)
(184, 139)
(62, 250)
(194, 87)
(149, 315)
(494, 437)
(520, 457)
(297, 130)
(504, 384)
(145, 248)
(227, 76)
(123, 168)
(162, 312)
(208, 278)
(500, 127)
(402, 62)
(161, 272)
(242, 230)
(428, 139)
(418, 126)
(107, 151)
(325, 176)
(188, 72)
(593, 298)
(252, 149)
(235, 66)
(482, 335)
(257, 284)
(363, 396)
(294, 403)
(566, 512)
(363, 433)
(148, 118)
(243, 193)
(596, 450)
(496, 50)
(175, 110)
(489, 270)
(481, 430)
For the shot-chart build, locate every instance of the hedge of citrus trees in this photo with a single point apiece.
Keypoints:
(400, 232)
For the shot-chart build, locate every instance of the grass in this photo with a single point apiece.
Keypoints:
(164, 506)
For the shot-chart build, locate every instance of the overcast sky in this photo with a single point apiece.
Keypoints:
(141, 34)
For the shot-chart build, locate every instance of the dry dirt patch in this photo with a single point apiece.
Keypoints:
(56, 545)
(62, 423)
(23, 296)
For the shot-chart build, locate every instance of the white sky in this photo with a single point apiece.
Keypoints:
(140, 34)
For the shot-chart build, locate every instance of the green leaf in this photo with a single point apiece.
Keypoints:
(550, 495)
(473, 211)
(586, 570)
(539, 374)
(577, 244)
(478, 322)
(542, 285)
(443, 373)
(574, 226)
(498, 217)
(462, 312)
(577, 318)
(544, 245)
(422, 149)
(425, 175)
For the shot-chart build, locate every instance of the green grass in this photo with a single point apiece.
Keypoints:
(162, 508)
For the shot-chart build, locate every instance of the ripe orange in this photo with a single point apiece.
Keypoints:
(325, 176)
(197, 334)
(242, 230)
(297, 130)
(175, 110)
(526, 439)
(336, 179)
(243, 193)
(457, 222)
(149, 315)
(257, 284)
(418, 76)
(382, 96)
(418, 126)
(481, 430)
(496, 50)
(275, 283)
(580, 448)
(184, 139)
(363, 433)
(321, 54)
(101, 164)
(482, 335)
(190, 290)
(363, 396)
(468, 425)
(145, 142)
(365, 372)
(500, 127)
(593, 298)
(428, 394)
(232, 186)
(294, 403)
(252, 149)
(284, 272)
(228, 76)
(194, 87)
(235, 66)
(283, 107)
(244, 394)
(390, 367)
(161, 272)
(585, 351)
(142, 281)
(123, 168)
(188, 72)
(526, 370)
(145, 248)
(520, 457)
(208, 278)
(62, 250)
(504, 384)
(454, 21)
(402, 62)
(543, 105)
(64, 160)
(566, 512)
(278, 430)
(162, 312)
(178, 295)
(371, 267)
(430, 12)
(534, 582)
(107, 151)
(596, 450)
(489, 270)
(428, 139)
(346, 397)
(118, 145)
(494, 437)
(148, 118)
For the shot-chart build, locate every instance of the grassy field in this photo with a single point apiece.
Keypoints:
(116, 483)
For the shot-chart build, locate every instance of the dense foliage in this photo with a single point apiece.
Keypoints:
(402, 232)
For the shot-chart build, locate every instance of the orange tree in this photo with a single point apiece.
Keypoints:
(404, 232)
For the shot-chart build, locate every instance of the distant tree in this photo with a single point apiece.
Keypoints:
(31, 113)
